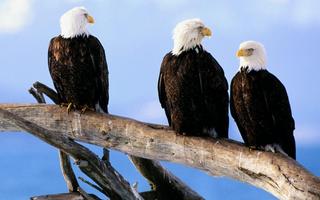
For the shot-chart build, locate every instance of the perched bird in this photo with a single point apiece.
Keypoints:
(192, 87)
(77, 64)
(259, 103)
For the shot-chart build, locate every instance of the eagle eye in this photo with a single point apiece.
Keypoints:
(200, 27)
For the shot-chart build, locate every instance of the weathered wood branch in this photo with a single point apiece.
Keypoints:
(78, 196)
(67, 172)
(43, 89)
(65, 164)
(86, 195)
(91, 184)
(164, 184)
(105, 176)
(275, 173)
(37, 92)
(65, 196)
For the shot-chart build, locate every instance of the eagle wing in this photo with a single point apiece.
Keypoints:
(234, 89)
(278, 107)
(52, 62)
(161, 88)
(98, 57)
(214, 90)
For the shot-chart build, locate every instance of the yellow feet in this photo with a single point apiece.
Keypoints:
(64, 105)
(153, 186)
(85, 108)
(70, 106)
(252, 148)
(180, 133)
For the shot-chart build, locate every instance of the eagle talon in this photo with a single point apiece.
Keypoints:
(85, 108)
(63, 104)
(252, 148)
(70, 106)
(153, 186)
(181, 133)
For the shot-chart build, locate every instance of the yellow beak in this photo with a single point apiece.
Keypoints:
(206, 31)
(243, 53)
(90, 19)
(240, 53)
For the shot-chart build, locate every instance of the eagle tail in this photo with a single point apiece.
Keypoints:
(99, 109)
(275, 148)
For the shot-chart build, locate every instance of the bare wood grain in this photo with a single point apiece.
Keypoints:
(112, 183)
(281, 176)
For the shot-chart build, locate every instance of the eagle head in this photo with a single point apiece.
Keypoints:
(188, 34)
(252, 56)
(73, 22)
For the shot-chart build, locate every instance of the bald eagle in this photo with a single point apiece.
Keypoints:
(259, 103)
(192, 87)
(77, 64)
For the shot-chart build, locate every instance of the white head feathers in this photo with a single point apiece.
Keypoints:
(73, 22)
(188, 34)
(252, 54)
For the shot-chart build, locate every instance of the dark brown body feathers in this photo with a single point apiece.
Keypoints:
(260, 106)
(79, 71)
(194, 93)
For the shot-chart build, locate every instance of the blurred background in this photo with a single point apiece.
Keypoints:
(136, 34)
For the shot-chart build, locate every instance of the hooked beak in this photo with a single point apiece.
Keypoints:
(206, 31)
(90, 19)
(243, 53)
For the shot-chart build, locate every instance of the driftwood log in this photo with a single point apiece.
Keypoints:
(281, 176)
(164, 184)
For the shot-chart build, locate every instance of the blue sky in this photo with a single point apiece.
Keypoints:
(136, 35)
